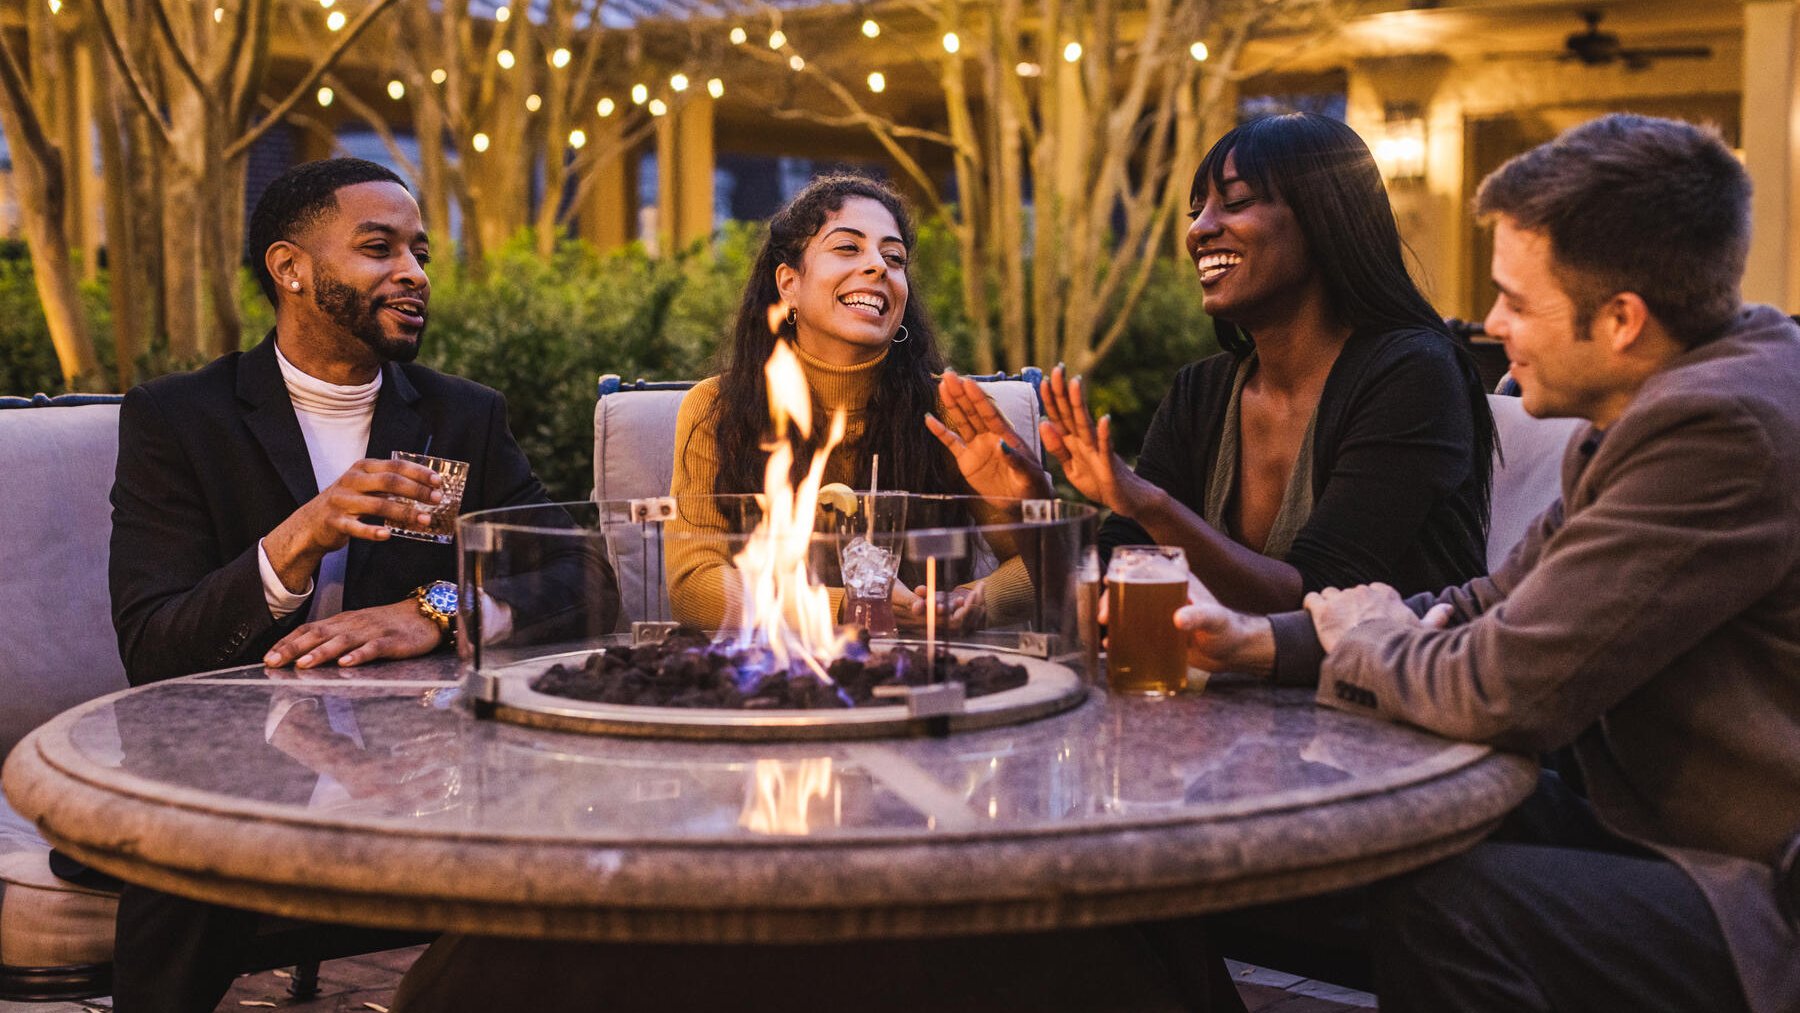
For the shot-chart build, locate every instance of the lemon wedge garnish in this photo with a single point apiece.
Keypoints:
(839, 497)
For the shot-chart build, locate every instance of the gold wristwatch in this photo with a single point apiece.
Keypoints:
(437, 602)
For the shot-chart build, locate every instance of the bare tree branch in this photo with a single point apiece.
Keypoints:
(281, 109)
(139, 90)
(176, 50)
(18, 95)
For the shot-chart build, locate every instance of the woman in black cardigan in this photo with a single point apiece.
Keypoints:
(1343, 436)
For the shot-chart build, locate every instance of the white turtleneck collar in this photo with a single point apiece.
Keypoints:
(331, 400)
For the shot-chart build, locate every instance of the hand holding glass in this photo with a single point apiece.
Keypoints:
(442, 527)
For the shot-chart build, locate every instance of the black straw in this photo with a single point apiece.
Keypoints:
(427, 451)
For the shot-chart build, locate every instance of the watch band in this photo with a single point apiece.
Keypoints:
(437, 602)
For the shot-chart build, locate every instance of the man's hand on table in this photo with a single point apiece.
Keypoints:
(1335, 611)
(352, 638)
(344, 510)
(1220, 639)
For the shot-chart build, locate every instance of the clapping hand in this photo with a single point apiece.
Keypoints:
(1085, 449)
(991, 455)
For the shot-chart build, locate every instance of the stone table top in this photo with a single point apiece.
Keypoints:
(380, 800)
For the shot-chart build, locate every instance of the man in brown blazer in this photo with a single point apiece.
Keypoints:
(1650, 620)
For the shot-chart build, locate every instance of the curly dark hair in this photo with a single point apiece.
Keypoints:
(1325, 174)
(297, 199)
(911, 459)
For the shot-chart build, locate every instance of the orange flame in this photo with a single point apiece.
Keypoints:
(778, 798)
(783, 608)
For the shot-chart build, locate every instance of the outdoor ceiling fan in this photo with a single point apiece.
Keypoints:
(1595, 48)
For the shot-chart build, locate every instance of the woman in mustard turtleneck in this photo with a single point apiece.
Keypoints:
(835, 264)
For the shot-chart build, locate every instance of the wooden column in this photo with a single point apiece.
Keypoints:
(1772, 149)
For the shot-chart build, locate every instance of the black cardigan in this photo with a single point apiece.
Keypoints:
(1396, 497)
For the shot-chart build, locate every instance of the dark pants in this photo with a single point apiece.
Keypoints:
(1553, 912)
(174, 955)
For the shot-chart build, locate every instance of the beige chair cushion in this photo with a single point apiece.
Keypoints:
(46, 921)
(57, 647)
(1530, 479)
(634, 458)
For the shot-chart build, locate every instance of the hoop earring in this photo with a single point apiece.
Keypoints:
(901, 340)
(793, 317)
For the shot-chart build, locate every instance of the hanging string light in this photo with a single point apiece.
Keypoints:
(325, 96)
(777, 39)
(1072, 52)
(640, 93)
(877, 82)
(1199, 52)
(658, 107)
(533, 103)
(951, 42)
(796, 63)
(870, 29)
(479, 142)
(396, 89)
(439, 76)
(327, 4)
(605, 107)
(218, 15)
(56, 6)
(503, 14)
(715, 88)
(336, 20)
(559, 59)
(577, 139)
(739, 36)
(505, 57)
(679, 82)
(1028, 69)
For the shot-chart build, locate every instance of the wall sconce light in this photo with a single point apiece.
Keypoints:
(1401, 151)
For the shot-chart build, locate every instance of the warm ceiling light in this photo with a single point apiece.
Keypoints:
(336, 20)
(739, 36)
(1072, 52)
(505, 57)
(479, 142)
(877, 82)
(658, 107)
(640, 93)
(396, 89)
(439, 76)
(533, 102)
(577, 138)
(715, 88)
(870, 28)
(559, 59)
(605, 107)
(1199, 51)
(951, 42)
(679, 82)
(796, 63)
(777, 39)
(325, 96)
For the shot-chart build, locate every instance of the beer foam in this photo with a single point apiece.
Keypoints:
(1146, 570)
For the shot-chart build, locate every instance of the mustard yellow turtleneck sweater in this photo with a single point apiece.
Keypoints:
(703, 588)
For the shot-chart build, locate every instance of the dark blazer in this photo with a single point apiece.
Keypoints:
(211, 461)
(1652, 619)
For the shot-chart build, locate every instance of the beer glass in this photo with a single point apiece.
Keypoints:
(1145, 585)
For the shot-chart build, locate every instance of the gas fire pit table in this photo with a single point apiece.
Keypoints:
(378, 799)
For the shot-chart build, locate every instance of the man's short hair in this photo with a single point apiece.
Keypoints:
(298, 198)
(1635, 204)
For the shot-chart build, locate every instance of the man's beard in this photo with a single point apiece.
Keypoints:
(362, 318)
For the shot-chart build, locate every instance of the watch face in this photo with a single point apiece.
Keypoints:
(441, 597)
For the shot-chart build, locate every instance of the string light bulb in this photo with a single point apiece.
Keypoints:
(870, 29)
(777, 39)
(1072, 52)
(56, 6)
(327, 4)
(951, 42)
(715, 88)
(439, 76)
(396, 89)
(533, 102)
(1199, 52)
(577, 139)
(479, 142)
(640, 93)
(739, 36)
(503, 14)
(679, 82)
(505, 57)
(658, 107)
(325, 96)
(1028, 69)
(560, 58)
(218, 15)
(605, 107)
(877, 82)
(795, 63)
(336, 21)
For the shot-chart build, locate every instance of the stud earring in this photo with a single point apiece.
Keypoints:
(294, 285)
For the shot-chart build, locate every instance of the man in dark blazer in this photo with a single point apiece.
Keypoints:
(252, 499)
(1650, 619)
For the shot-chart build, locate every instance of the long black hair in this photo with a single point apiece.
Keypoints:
(911, 460)
(1325, 174)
